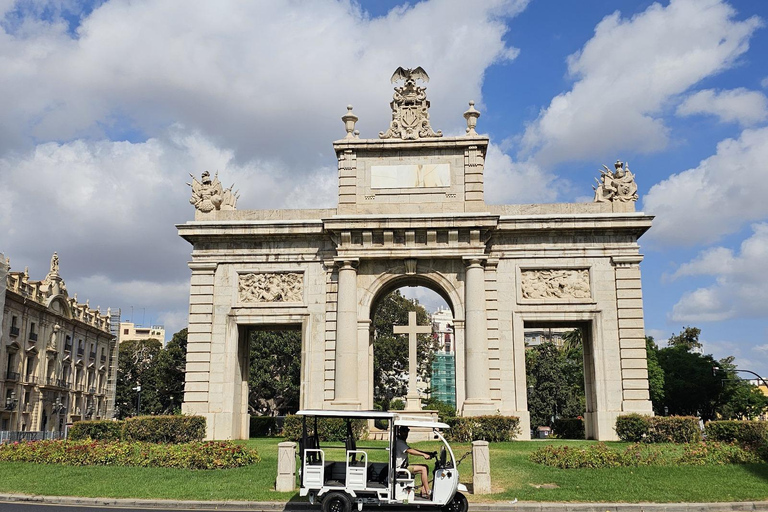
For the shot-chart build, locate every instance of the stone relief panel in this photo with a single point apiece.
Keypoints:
(553, 284)
(271, 287)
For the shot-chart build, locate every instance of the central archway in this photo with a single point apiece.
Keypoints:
(396, 278)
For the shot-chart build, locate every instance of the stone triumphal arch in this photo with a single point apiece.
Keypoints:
(411, 210)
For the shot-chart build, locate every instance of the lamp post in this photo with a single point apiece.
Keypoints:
(716, 369)
(11, 402)
(57, 408)
(137, 389)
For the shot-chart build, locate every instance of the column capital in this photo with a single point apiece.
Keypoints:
(202, 266)
(347, 263)
(627, 261)
(474, 261)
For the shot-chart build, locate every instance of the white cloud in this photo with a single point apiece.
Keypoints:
(510, 182)
(764, 82)
(628, 72)
(718, 197)
(262, 78)
(741, 283)
(740, 105)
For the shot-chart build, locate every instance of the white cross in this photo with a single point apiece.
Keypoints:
(412, 329)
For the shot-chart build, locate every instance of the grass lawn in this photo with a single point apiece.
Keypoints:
(512, 476)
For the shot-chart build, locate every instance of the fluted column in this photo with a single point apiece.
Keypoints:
(346, 371)
(476, 340)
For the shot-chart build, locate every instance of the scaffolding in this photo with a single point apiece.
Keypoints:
(114, 346)
(443, 385)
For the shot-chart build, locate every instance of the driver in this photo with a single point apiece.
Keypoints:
(401, 459)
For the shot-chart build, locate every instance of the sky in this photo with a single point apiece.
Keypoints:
(107, 106)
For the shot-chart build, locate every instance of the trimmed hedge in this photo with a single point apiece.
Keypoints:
(164, 429)
(568, 428)
(262, 426)
(329, 429)
(483, 428)
(658, 429)
(97, 430)
(641, 454)
(196, 455)
(751, 433)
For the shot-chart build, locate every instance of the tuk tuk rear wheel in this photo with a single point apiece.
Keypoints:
(459, 503)
(338, 502)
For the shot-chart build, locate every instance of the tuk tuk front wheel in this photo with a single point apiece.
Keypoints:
(339, 502)
(459, 503)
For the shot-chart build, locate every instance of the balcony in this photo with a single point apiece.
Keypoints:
(92, 390)
(14, 331)
(26, 408)
(103, 359)
(59, 383)
(14, 376)
(33, 337)
(92, 356)
(68, 347)
(80, 352)
(30, 379)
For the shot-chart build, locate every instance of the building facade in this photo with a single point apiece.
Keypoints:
(57, 355)
(130, 331)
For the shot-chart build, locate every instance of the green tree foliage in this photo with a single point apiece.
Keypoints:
(655, 375)
(390, 351)
(691, 387)
(555, 378)
(135, 367)
(170, 365)
(688, 338)
(275, 372)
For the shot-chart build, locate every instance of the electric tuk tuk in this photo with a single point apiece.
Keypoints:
(339, 484)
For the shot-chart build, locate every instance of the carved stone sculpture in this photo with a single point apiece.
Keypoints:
(618, 185)
(410, 107)
(53, 341)
(209, 195)
(271, 287)
(555, 284)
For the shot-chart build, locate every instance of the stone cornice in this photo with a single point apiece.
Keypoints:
(428, 143)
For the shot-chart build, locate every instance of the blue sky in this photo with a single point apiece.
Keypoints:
(107, 106)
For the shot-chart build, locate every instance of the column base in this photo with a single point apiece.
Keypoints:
(478, 407)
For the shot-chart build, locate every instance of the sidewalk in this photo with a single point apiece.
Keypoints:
(530, 506)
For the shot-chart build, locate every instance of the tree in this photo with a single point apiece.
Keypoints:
(555, 378)
(135, 366)
(655, 375)
(170, 365)
(390, 351)
(691, 387)
(688, 338)
(275, 372)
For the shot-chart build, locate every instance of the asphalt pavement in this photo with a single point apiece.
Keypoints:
(26, 503)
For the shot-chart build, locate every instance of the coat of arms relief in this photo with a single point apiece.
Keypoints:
(410, 107)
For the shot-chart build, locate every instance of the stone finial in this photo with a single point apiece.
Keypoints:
(616, 185)
(471, 116)
(349, 122)
(209, 195)
(410, 107)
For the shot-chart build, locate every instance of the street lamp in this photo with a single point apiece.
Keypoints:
(716, 369)
(58, 408)
(11, 402)
(137, 389)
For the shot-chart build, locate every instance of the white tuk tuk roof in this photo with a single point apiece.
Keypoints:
(400, 418)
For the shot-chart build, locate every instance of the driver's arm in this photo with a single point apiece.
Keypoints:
(414, 451)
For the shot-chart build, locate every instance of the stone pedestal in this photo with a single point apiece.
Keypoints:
(481, 467)
(286, 467)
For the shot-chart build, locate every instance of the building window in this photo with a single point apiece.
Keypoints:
(14, 326)
(125, 331)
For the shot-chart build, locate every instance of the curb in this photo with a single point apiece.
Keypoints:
(256, 506)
